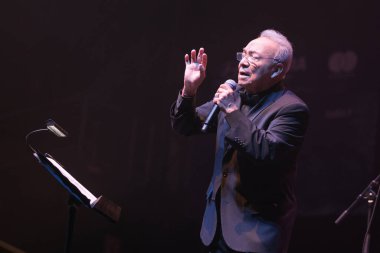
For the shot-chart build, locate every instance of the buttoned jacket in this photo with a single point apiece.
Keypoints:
(254, 168)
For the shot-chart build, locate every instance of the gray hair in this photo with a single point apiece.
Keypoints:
(285, 52)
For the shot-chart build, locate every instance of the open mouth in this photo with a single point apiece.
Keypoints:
(244, 74)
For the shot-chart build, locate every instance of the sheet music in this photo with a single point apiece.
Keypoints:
(73, 181)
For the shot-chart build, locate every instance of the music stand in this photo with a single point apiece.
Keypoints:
(78, 194)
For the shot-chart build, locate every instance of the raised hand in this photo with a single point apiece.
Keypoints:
(195, 72)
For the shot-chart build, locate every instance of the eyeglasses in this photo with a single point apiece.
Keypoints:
(252, 59)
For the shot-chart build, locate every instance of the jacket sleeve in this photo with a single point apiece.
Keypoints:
(279, 141)
(186, 118)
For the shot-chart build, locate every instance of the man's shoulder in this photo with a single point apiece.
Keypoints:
(290, 99)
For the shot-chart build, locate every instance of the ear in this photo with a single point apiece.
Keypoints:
(278, 70)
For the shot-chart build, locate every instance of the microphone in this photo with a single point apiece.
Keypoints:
(215, 109)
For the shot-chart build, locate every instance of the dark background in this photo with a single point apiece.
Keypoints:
(108, 70)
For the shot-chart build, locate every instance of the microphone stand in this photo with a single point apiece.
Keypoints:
(371, 197)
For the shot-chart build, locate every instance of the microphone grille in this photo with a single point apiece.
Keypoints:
(232, 84)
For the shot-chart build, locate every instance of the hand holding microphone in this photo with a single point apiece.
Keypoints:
(225, 99)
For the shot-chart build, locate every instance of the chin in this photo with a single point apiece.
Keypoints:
(244, 81)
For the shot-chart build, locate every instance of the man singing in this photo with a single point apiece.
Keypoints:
(260, 126)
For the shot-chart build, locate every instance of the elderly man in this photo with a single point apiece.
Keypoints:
(260, 127)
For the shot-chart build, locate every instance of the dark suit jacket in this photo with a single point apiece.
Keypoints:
(255, 167)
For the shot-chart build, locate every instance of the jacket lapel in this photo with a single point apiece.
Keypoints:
(264, 103)
(219, 153)
(222, 149)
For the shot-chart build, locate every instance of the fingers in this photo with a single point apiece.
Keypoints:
(223, 91)
(201, 58)
(217, 98)
(204, 60)
(226, 99)
(226, 87)
(222, 96)
(193, 56)
(200, 53)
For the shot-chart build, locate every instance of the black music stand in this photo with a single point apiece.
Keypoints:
(78, 194)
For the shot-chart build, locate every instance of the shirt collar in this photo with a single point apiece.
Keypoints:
(252, 99)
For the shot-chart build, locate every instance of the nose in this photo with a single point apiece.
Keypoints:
(244, 62)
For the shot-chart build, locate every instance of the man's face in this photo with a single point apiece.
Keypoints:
(257, 67)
